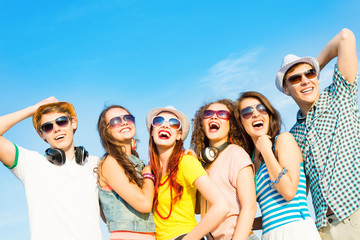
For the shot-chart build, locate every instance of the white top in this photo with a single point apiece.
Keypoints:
(62, 200)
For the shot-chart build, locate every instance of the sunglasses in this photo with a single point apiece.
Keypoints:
(296, 78)
(47, 127)
(117, 121)
(222, 114)
(247, 112)
(174, 123)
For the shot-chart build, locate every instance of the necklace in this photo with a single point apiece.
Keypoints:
(161, 184)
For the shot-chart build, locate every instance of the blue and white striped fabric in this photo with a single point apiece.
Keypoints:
(276, 211)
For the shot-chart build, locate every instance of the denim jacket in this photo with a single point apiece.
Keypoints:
(121, 216)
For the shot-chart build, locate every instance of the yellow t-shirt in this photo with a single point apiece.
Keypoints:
(182, 219)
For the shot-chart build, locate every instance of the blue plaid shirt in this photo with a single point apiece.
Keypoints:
(330, 143)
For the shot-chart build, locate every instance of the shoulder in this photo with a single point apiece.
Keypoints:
(234, 153)
(188, 160)
(93, 160)
(285, 139)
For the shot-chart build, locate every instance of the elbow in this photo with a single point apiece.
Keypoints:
(145, 207)
(346, 35)
(288, 195)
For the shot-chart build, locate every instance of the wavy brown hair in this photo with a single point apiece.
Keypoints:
(173, 167)
(198, 138)
(274, 117)
(115, 149)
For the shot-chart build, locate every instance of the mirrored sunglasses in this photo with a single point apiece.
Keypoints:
(247, 112)
(47, 127)
(174, 123)
(117, 121)
(222, 114)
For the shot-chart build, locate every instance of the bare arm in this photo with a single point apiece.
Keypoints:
(247, 196)
(288, 156)
(7, 149)
(343, 46)
(218, 210)
(112, 174)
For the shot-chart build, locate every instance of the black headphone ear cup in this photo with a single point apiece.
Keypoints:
(209, 154)
(80, 155)
(55, 156)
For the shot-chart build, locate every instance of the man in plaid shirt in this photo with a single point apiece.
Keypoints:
(327, 131)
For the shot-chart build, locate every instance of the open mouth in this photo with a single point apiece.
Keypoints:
(60, 137)
(258, 124)
(214, 126)
(124, 130)
(164, 134)
(307, 90)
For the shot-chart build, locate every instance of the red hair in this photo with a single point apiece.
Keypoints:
(173, 168)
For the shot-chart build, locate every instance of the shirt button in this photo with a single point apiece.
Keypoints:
(330, 220)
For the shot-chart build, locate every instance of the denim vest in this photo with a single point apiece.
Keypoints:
(121, 216)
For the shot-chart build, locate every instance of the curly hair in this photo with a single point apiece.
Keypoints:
(274, 119)
(173, 167)
(115, 149)
(198, 138)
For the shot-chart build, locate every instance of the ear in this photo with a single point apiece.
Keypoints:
(179, 135)
(41, 135)
(74, 123)
(286, 91)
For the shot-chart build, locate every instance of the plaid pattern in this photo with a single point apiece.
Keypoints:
(330, 143)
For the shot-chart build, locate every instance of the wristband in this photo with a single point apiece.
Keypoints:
(149, 176)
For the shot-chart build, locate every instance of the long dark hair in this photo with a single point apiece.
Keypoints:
(274, 117)
(115, 149)
(198, 138)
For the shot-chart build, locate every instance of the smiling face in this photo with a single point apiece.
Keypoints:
(216, 129)
(164, 136)
(59, 137)
(258, 124)
(306, 92)
(125, 131)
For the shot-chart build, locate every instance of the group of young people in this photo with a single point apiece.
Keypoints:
(239, 157)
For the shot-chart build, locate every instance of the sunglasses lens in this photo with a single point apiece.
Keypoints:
(294, 79)
(62, 121)
(223, 114)
(247, 112)
(174, 123)
(114, 122)
(47, 127)
(262, 109)
(158, 121)
(129, 118)
(208, 114)
(309, 74)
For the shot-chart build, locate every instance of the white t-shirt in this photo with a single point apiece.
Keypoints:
(62, 200)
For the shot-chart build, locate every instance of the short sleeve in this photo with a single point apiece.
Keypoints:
(190, 168)
(237, 160)
(340, 88)
(25, 160)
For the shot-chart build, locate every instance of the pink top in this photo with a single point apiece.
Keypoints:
(224, 172)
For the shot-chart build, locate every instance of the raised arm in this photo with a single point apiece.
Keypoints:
(343, 46)
(288, 156)
(7, 149)
(216, 213)
(113, 175)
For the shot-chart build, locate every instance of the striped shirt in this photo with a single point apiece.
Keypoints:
(275, 210)
(329, 139)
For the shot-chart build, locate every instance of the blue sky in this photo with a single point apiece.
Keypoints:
(147, 54)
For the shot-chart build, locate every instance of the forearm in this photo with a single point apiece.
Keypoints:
(9, 120)
(245, 222)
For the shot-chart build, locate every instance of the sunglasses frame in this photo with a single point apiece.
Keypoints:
(121, 118)
(228, 114)
(51, 123)
(166, 120)
(252, 107)
(296, 78)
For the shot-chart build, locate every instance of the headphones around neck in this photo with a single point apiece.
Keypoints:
(57, 156)
(209, 154)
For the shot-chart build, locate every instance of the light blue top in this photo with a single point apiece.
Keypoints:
(120, 215)
(276, 211)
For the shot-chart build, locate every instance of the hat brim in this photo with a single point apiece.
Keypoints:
(281, 73)
(185, 124)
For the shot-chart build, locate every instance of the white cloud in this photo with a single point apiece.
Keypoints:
(233, 74)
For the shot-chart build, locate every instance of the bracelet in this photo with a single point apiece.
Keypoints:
(274, 182)
(149, 176)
